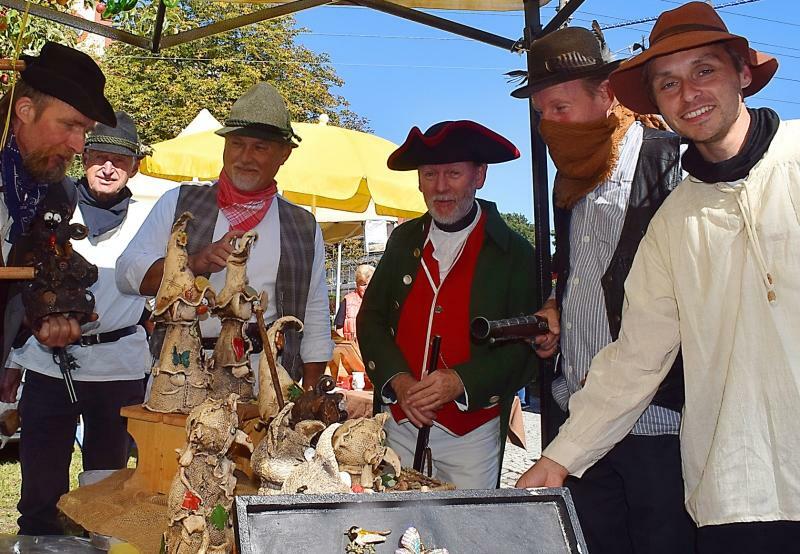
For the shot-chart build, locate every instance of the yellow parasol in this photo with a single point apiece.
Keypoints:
(334, 168)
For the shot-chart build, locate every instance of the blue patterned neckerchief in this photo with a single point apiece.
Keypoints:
(22, 194)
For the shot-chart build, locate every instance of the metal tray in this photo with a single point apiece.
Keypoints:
(464, 521)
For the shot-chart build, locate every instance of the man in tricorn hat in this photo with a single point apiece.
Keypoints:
(439, 271)
(112, 352)
(717, 275)
(614, 171)
(288, 260)
(56, 101)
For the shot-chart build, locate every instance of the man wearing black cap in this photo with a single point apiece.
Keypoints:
(57, 100)
(112, 352)
(288, 260)
(614, 171)
(457, 262)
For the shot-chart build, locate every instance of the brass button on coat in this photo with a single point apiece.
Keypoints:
(407, 279)
(371, 364)
(417, 253)
(438, 309)
(396, 305)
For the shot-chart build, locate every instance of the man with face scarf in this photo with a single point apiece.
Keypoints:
(614, 171)
(439, 271)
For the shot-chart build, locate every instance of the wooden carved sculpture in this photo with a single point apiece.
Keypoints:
(230, 364)
(62, 275)
(180, 380)
(201, 495)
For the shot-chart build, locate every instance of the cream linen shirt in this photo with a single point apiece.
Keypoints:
(699, 280)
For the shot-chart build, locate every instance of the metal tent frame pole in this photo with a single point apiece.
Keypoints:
(541, 218)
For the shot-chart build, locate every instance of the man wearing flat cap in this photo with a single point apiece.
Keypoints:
(439, 271)
(56, 101)
(111, 353)
(614, 171)
(288, 260)
(716, 275)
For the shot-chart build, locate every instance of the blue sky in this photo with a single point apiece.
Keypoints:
(399, 74)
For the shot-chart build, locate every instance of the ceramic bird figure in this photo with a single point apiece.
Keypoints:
(363, 537)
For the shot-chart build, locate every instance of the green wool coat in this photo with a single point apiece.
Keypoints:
(503, 286)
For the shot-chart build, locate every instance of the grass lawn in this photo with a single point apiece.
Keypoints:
(10, 479)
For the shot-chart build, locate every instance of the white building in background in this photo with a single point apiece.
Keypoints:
(92, 44)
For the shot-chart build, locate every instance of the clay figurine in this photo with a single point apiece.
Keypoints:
(282, 450)
(360, 448)
(411, 543)
(268, 406)
(229, 366)
(363, 541)
(321, 403)
(180, 380)
(201, 496)
(319, 473)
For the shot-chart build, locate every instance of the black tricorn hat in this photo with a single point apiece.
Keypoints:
(122, 139)
(565, 55)
(70, 76)
(450, 142)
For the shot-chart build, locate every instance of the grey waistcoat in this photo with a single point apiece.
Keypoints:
(297, 233)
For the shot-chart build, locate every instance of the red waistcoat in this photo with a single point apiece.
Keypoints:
(449, 317)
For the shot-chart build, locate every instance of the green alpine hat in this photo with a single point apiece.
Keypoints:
(261, 113)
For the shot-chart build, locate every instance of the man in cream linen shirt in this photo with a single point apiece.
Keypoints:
(718, 274)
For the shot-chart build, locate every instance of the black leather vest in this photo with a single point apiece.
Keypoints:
(658, 172)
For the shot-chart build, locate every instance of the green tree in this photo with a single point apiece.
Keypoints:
(164, 92)
(519, 223)
(34, 34)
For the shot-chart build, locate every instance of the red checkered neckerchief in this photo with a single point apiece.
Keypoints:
(243, 209)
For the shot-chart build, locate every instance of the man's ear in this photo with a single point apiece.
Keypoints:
(25, 110)
(481, 175)
(604, 90)
(745, 76)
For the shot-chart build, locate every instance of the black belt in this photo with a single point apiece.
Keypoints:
(252, 333)
(102, 338)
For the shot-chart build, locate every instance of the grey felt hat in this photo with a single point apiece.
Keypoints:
(122, 139)
(261, 113)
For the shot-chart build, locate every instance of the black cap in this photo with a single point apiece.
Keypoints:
(72, 77)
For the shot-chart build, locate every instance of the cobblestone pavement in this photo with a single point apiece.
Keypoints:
(516, 459)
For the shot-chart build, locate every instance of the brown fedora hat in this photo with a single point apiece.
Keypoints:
(566, 55)
(692, 25)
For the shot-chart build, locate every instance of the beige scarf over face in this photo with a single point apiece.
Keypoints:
(585, 154)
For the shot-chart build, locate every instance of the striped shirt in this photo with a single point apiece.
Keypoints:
(595, 229)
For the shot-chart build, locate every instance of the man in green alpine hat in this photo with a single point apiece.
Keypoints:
(288, 262)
